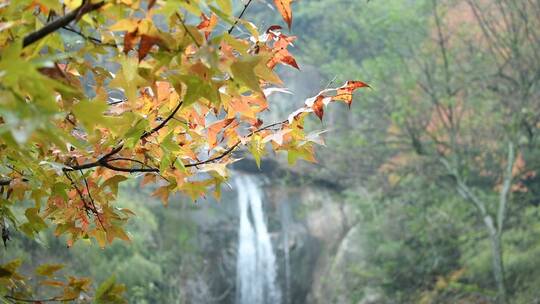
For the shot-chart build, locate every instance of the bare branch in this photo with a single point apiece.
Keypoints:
(163, 123)
(53, 26)
(239, 17)
(93, 40)
(187, 30)
(12, 298)
(233, 147)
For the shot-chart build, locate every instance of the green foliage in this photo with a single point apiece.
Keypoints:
(441, 114)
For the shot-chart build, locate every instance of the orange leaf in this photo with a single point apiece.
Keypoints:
(163, 90)
(162, 193)
(53, 283)
(345, 92)
(273, 28)
(207, 24)
(282, 56)
(279, 48)
(299, 114)
(284, 8)
(258, 123)
(215, 128)
(42, 8)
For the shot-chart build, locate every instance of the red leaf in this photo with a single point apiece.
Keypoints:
(146, 44)
(130, 39)
(273, 28)
(258, 123)
(318, 106)
(281, 54)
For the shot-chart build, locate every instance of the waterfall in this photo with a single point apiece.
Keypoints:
(256, 262)
(285, 213)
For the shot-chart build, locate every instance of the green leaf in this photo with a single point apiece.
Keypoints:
(113, 182)
(104, 288)
(10, 268)
(48, 270)
(134, 134)
(244, 71)
(222, 13)
(256, 148)
(168, 145)
(90, 113)
(226, 6)
(197, 88)
(109, 292)
(32, 214)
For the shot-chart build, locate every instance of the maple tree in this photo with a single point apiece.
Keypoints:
(190, 91)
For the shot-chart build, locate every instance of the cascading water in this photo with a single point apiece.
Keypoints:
(256, 262)
(285, 213)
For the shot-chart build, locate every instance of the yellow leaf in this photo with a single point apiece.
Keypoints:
(244, 71)
(48, 269)
(128, 25)
(226, 6)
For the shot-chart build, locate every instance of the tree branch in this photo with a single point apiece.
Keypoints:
(507, 183)
(105, 160)
(12, 298)
(129, 170)
(464, 190)
(163, 123)
(239, 17)
(93, 40)
(231, 149)
(53, 26)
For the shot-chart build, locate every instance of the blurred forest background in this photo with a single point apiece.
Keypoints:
(427, 191)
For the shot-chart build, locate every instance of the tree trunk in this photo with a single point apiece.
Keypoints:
(496, 259)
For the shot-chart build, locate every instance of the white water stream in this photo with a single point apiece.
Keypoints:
(256, 262)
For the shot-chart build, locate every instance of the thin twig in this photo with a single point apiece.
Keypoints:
(94, 208)
(39, 300)
(79, 192)
(239, 17)
(53, 26)
(94, 40)
(187, 30)
(129, 159)
(129, 170)
(233, 147)
(163, 123)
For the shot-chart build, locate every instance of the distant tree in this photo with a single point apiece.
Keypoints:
(93, 92)
(472, 115)
(459, 106)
